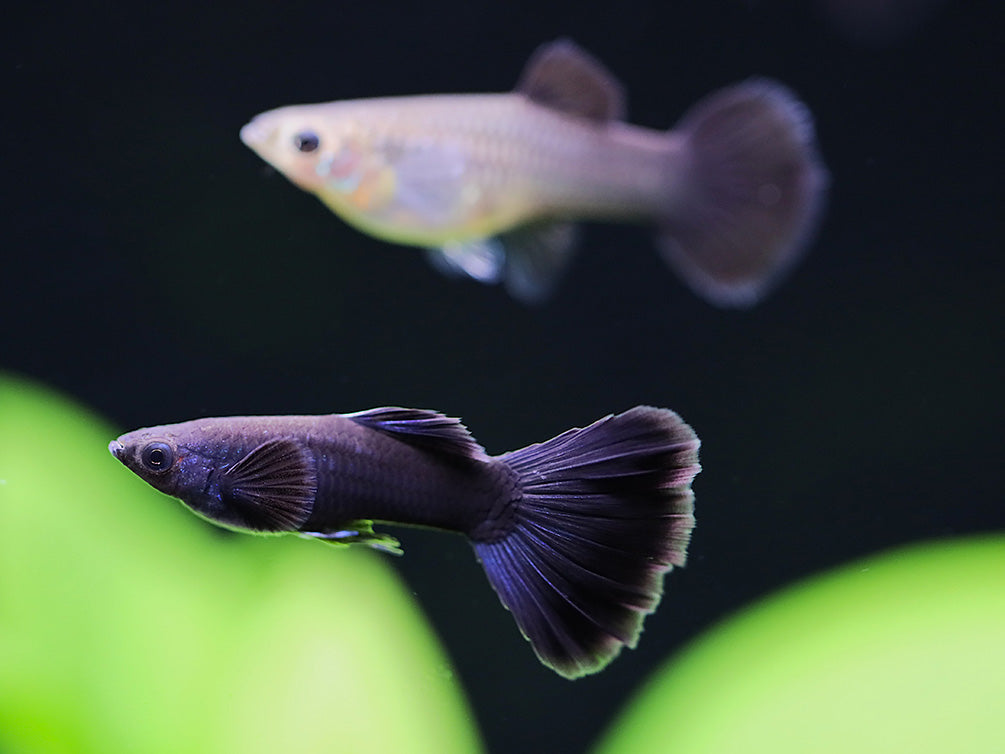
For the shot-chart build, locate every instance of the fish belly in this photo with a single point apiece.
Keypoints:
(465, 167)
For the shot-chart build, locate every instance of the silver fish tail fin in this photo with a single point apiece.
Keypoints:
(754, 193)
(605, 512)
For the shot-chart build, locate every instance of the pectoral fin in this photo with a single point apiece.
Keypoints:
(482, 259)
(273, 486)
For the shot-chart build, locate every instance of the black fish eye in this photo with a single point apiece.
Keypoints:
(157, 456)
(306, 141)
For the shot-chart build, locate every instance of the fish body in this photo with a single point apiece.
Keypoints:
(575, 533)
(436, 169)
(491, 184)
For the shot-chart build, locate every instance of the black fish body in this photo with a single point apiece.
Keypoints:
(367, 473)
(575, 533)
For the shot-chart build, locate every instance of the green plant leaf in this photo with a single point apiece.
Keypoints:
(904, 652)
(127, 625)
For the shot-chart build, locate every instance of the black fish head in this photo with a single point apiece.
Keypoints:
(165, 459)
(155, 456)
(240, 480)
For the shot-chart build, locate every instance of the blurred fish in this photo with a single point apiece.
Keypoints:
(490, 183)
(575, 534)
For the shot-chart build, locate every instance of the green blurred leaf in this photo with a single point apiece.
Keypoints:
(128, 625)
(904, 652)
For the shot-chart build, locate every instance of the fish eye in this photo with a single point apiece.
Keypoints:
(306, 141)
(157, 456)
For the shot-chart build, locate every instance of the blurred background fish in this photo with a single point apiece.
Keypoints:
(490, 184)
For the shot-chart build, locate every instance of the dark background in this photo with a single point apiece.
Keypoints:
(156, 270)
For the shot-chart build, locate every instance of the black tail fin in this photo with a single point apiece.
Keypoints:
(754, 193)
(605, 511)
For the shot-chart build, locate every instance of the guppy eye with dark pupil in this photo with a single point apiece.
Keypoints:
(306, 141)
(157, 456)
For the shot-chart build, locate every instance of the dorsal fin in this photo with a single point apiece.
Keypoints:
(565, 77)
(426, 429)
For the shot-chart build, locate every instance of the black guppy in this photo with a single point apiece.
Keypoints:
(575, 533)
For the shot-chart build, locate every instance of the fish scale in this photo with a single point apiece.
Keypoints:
(444, 496)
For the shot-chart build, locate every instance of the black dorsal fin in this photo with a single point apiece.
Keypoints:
(426, 429)
(565, 77)
(273, 486)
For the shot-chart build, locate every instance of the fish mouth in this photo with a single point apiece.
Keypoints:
(252, 133)
(117, 449)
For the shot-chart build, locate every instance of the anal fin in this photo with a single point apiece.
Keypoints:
(359, 532)
(536, 257)
(528, 260)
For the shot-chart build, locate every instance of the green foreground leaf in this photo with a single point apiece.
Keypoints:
(126, 625)
(904, 652)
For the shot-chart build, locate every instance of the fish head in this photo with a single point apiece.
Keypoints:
(184, 461)
(300, 141)
(229, 471)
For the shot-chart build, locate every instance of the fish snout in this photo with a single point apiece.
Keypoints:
(117, 449)
(253, 133)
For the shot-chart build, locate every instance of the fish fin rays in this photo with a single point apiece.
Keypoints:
(536, 257)
(482, 259)
(755, 195)
(273, 486)
(529, 261)
(422, 428)
(605, 511)
(359, 532)
(562, 76)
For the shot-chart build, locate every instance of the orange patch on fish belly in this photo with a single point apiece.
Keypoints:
(376, 187)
